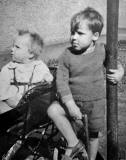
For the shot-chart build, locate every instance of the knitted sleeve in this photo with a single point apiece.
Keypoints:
(62, 77)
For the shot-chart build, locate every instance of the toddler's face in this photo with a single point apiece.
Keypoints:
(82, 37)
(20, 50)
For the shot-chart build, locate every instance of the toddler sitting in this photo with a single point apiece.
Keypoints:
(24, 71)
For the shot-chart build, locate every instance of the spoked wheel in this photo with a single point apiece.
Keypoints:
(38, 144)
(32, 149)
(35, 148)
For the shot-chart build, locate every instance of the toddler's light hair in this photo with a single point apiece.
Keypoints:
(95, 20)
(37, 43)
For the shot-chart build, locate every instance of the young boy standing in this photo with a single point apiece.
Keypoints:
(80, 81)
(24, 71)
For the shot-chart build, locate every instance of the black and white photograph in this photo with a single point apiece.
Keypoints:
(63, 79)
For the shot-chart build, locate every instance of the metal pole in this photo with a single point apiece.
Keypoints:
(111, 51)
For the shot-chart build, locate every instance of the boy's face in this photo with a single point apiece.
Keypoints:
(83, 37)
(20, 50)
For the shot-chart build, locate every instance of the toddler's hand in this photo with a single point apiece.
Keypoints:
(48, 78)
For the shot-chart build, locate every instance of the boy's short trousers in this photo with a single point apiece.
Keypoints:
(96, 113)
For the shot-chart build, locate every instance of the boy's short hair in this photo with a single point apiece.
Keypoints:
(37, 43)
(95, 20)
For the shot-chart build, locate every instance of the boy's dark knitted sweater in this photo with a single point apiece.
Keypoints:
(81, 76)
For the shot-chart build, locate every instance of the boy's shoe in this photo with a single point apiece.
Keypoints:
(78, 148)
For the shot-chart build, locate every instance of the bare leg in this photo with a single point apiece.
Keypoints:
(4, 107)
(57, 114)
(94, 143)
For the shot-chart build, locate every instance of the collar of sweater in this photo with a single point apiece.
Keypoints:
(89, 50)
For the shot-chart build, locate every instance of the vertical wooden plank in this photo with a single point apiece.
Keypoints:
(112, 102)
